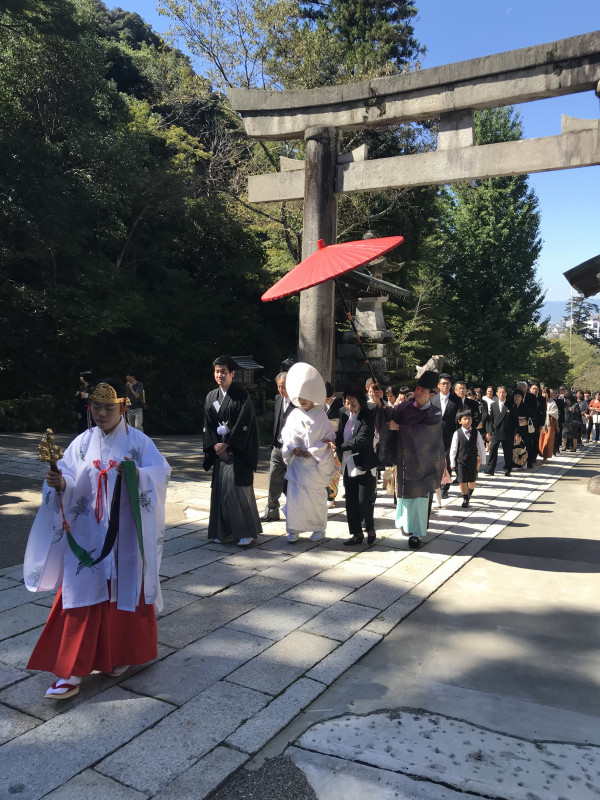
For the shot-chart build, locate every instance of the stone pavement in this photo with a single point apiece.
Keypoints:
(247, 641)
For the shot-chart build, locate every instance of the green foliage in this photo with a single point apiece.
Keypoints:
(117, 251)
(491, 244)
(579, 311)
(550, 363)
(584, 360)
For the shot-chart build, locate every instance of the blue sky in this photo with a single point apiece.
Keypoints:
(455, 30)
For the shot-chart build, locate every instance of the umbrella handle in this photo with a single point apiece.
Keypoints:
(358, 339)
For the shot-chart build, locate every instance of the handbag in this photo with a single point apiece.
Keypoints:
(530, 426)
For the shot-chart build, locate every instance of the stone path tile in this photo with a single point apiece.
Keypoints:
(296, 569)
(173, 601)
(277, 543)
(317, 593)
(205, 776)
(255, 733)
(199, 618)
(256, 559)
(189, 671)
(390, 617)
(413, 569)
(441, 549)
(9, 675)
(14, 573)
(275, 619)
(15, 652)
(14, 723)
(381, 592)
(28, 695)
(380, 557)
(21, 619)
(349, 573)
(97, 727)
(177, 532)
(257, 589)
(436, 579)
(209, 579)
(182, 543)
(89, 785)
(506, 766)
(283, 662)
(7, 583)
(156, 757)
(340, 621)
(187, 561)
(344, 657)
(374, 782)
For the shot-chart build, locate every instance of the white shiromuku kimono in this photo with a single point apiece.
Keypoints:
(49, 561)
(308, 478)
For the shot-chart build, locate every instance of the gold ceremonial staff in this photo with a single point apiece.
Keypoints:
(49, 451)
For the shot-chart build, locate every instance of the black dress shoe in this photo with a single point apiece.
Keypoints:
(507, 473)
(371, 536)
(266, 518)
(356, 539)
(485, 472)
(414, 542)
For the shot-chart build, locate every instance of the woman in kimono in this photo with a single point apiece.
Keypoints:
(97, 538)
(548, 432)
(308, 438)
(355, 443)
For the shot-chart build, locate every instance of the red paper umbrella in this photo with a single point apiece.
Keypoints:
(328, 262)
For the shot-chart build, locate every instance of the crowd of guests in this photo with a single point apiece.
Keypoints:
(104, 499)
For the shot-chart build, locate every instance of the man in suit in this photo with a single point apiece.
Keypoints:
(333, 405)
(502, 433)
(447, 405)
(277, 466)
(464, 403)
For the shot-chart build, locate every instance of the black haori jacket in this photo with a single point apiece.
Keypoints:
(237, 412)
(417, 448)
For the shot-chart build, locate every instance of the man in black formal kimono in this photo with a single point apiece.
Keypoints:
(277, 466)
(231, 449)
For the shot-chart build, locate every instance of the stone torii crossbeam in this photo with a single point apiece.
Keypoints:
(451, 94)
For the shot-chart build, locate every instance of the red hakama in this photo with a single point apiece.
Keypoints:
(76, 641)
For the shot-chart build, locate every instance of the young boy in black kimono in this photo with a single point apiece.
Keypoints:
(467, 445)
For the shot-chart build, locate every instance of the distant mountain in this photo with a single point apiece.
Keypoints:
(555, 309)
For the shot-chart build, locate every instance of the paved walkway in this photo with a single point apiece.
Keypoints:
(247, 640)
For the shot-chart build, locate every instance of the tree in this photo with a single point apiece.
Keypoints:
(584, 362)
(117, 251)
(490, 247)
(579, 312)
(549, 363)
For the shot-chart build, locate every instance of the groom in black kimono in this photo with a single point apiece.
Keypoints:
(231, 449)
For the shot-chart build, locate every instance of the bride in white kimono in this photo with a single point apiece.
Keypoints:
(103, 615)
(307, 450)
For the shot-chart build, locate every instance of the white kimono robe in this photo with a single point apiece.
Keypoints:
(49, 560)
(308, 478)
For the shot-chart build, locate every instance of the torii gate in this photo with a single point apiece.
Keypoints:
(451, 93)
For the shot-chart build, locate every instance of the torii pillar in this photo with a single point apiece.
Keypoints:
(316, 342)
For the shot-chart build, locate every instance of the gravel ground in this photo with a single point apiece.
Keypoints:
(278, 778)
